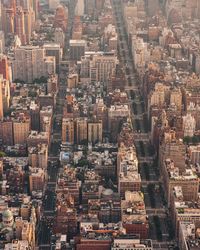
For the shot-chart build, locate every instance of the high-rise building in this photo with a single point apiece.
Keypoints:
(6, 132)
(28, 24)
(59, 37)
(194, 153)
(187, 180)
(105, 65)
(36, 179)
(30, 63)
(153, 7)
(95, 131)
(38, 156)
(61, 18)
(1, 100)
(19, 25)
(189, 125)
(21, 129)
(173, 149)
(2, 42)
(68, 130)
(35, 116)
(93, 7)
(0, 15)
(53, 4)
(79, 10)
(77, 49)
(36, 8)
(4, 69)
(5, 94)
(54, 50)
(81, 130)
(8, 25)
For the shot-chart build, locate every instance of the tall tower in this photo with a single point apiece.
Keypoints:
(20, 29)
(1, 99)
(0, 16)
(28, 24)
(79, 10)
(36, 7)
(4, 69)
(12, 5)
(33, 220)
(8, 20)
(198, 8)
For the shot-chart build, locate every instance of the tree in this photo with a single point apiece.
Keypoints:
(186, 139)
(40, 80)
(19, 81)
(2, 154)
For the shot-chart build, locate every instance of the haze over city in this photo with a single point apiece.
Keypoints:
(99, 124)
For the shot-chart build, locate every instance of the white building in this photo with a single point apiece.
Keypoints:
(194, 153)
(131, 244)
(2, 42)
(140, 52)
(53, 4)
(59, 37)
(79, 10)
(30, 63)
(189, 125)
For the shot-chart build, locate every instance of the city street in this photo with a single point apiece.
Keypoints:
(153, 194)
(49, 201)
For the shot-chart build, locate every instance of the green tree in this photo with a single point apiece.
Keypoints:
(2, 154)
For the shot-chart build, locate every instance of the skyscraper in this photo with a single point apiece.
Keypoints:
(30, 63)
(79, 10)
(68, 130)
(19, 25)
(4, 70)
(1, 100)
(0, 15)
(28, 24)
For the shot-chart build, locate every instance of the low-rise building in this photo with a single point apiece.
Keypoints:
(134, 217)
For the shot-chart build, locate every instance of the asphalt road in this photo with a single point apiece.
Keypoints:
(49, 200)
(139, 119)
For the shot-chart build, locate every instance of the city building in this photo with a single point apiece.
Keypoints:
(38, 156)
(68, 130)
(54, 50)
(76, 49)
(1, 99)
(81, 130)
(188, 237)
(131, 242)
(20, 27)
(187, 180)
(194, 154)
(174, 149)
(53, 4)
(21, 129)
(127, 170)
(4, 68)
(95, 131)
(134, 216)
(183, 211)
(2, 40)
(36, 179)
(35, 138)
(61, 17)
(59, 37)
(29, 64)
(6, 132)
(189, 125)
